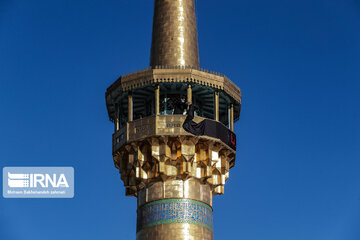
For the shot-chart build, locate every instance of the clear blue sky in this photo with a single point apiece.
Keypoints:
(297, 173)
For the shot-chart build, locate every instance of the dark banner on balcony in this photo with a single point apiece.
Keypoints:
(209, 128)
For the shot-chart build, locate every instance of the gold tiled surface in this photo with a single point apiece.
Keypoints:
(174, 38)
(161, 158)
(172, 188)
(175, 231)
(161, 125)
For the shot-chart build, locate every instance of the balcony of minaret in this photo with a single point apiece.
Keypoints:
(149, 142)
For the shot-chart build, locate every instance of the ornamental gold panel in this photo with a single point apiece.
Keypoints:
(160, 158)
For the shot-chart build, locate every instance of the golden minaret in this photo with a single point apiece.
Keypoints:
(174, 173)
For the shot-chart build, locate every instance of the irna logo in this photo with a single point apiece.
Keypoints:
(38, 182)
(16, 180)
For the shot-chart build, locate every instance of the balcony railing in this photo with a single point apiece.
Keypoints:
(152, 126)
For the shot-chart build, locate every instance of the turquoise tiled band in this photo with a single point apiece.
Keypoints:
(174, 211)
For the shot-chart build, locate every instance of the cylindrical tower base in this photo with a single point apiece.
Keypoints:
(175, 210)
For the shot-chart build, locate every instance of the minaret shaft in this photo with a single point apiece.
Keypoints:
(174, 37)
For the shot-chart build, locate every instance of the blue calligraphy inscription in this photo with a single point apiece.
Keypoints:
(174, 211)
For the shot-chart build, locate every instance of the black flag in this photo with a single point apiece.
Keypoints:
(209, 128)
